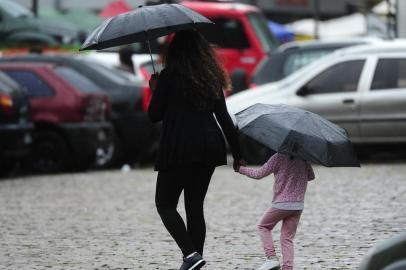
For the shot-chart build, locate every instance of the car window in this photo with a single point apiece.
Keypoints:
(389, 74)
(342, 77)
(226, 33)
(263, 32)
(76, 79)
(35, 86)
(297, 60)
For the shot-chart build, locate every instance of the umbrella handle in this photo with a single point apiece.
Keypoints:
(150, 54)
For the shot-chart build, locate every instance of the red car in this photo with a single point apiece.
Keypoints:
(15, 124)
(69, 114)
(241, 34)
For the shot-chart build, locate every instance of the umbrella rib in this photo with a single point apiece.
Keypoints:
(163, 18)
(104, 28)
(177, 7)
(145, 23)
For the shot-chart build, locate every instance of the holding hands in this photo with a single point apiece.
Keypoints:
(238, 163)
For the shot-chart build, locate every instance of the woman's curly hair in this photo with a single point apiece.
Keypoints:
(191, 56)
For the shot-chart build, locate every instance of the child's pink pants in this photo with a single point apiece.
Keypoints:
(290, 220)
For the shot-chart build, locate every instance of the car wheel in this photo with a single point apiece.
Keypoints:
(111, 156)
(105, 155)
(50, 152)
(252, 151)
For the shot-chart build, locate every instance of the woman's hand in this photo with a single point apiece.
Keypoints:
(238, 163)
(153, 81)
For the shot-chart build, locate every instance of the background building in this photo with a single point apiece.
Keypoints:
(288, 10)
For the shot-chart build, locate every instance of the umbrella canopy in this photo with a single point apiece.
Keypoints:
(299, 133)
(143, 24)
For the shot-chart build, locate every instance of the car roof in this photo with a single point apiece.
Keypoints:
(83, 66)
(319, 44)
(28, 64)
(393, 46)
(36, 57)
(219, 7)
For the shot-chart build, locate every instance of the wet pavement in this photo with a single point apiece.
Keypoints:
(107, 220)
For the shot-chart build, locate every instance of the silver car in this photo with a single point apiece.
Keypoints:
(362, 89)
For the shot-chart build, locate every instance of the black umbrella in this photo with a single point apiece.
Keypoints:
(297, 132)
(143, 24)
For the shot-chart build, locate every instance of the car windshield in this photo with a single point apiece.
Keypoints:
(15, 10)
(7, 84)
(76, 79)
(226, 33)
(299, 59)
(263, 32)
(295, 76)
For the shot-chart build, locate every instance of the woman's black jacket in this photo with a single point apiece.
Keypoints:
(190, 136)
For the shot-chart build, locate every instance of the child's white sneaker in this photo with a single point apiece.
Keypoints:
(271, 263)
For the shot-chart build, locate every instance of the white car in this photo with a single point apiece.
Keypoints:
(140, 61)
(362, 89)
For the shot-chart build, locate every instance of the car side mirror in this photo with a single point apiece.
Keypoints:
(304, 91)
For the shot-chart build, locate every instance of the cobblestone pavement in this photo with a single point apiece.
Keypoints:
(107, 220)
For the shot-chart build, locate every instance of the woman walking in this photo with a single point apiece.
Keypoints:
(187, 95)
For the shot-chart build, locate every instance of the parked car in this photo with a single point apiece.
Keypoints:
(362, 89)
(18, 25)
(241, 34)
(15, 124)
(143, 69)
(69, 112)
(111, 59)
(292, 56)
(135, 137)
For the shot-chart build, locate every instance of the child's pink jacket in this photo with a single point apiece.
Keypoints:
(291, 177)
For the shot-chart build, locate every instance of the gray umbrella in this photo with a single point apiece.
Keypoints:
(143, 24)
(297, 132)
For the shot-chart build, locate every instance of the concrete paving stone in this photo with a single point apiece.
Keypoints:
(107, 220)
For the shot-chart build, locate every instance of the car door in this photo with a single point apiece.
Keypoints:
(383, 104)
(333, 94)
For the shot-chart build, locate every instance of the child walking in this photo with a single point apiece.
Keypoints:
(291, 177)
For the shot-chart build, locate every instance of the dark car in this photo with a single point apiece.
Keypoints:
(18, 25)
(15, 124)
(135, 136)
(69, 114)
(292, 56)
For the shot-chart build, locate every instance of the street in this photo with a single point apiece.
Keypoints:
(107, 219)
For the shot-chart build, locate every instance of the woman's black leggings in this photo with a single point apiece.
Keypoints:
(194, 181)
